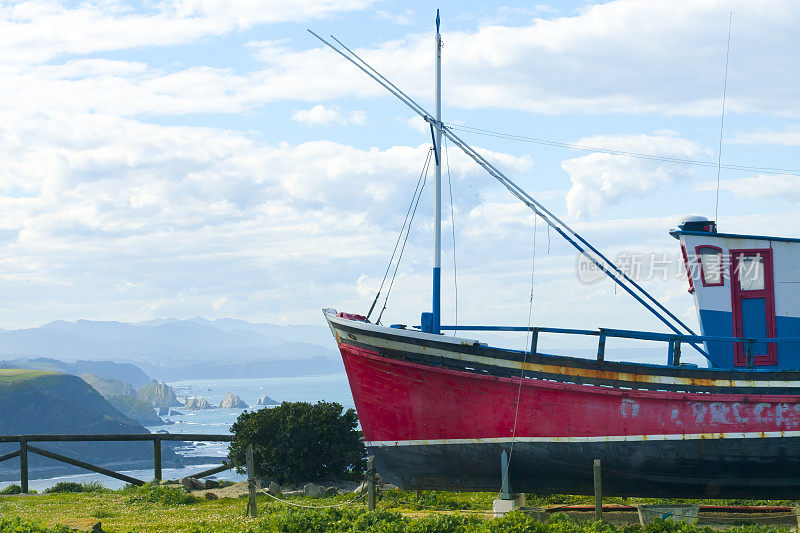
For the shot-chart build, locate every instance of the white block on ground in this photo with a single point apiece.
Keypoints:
(502, 507)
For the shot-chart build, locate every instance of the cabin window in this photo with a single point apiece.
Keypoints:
(751, 273)
(710, 259)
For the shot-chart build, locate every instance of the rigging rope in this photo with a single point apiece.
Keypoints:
(667, 159)
(453, 227)
(722, 117)
(408, 231)
(400, 235)
(528, 346)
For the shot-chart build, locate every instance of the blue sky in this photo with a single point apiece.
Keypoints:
(201, 157)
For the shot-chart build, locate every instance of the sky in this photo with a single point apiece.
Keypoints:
(212, 158)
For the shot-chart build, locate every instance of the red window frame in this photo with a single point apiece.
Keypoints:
(699, 257)
(688, 270)
(768, 293)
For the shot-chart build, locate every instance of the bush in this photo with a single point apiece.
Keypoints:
(148, 493)
(18, 525)
(298, 441)
(70, 486)
(11, 489)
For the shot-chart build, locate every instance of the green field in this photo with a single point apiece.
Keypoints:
(16, 375)
(156, 509)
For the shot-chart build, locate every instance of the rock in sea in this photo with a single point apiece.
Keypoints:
(232, 401)
(197, 402)
(266, 400)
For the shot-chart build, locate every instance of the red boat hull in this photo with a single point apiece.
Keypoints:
(431, 426)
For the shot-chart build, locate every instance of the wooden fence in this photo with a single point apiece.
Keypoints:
(155, 438)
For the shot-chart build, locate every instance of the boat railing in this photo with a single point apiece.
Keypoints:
(674, 341)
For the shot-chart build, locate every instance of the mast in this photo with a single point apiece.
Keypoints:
(437, 210)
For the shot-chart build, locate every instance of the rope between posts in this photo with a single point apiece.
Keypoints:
(342, 505)
(770, 516)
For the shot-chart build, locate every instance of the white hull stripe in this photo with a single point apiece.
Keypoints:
(369, 340)
(609, 438)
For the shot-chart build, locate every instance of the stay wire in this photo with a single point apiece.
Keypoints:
(408, 231)
(453, 227)
(400, 235)
(572, 146)
(722, 116)
(528, 345)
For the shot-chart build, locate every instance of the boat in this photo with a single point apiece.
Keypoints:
(442, 412)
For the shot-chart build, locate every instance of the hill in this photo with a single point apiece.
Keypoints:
(42, 402)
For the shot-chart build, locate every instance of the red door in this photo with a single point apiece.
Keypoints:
(753, 304)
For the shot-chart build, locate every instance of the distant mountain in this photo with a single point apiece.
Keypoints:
(194, 340)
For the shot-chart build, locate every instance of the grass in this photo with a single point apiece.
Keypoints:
(152, 509)
(16, 375)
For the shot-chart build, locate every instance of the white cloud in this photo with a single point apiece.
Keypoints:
(789, 137)
(321, 115)
(36, 31)
(600, 180)
(631, 56)
(94, 208)
(777, 186)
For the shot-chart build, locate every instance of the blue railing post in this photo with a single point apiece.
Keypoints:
(534, 340)
(601, 347)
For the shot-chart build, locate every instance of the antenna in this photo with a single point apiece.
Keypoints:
(722, 117)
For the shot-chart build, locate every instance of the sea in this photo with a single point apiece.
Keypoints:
(332, 388)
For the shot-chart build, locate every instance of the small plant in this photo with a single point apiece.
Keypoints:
(18, 525)
(103, 513)
(71, 486)
(148, 493)
(11, 489)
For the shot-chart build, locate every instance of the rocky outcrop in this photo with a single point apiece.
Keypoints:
(196, 403)
(50, 403)
(138, 410)
(109, 387)
(266, 400)
(231, 401)
(158, 395)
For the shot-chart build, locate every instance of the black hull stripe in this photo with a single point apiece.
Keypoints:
(726, 468)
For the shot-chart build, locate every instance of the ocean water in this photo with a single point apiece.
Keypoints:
(333, 388)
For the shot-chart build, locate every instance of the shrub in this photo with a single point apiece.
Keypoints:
(18, 525)
(298, 441)
(148, 493)
(70, 486)
(11, 489)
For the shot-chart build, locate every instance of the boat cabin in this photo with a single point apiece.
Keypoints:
(743, 286)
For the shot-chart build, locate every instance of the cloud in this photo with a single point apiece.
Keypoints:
(778, 186)
(600, 180)
(37, 31)
(101, 212)
(321, 115)
(669, 60)
(789, 137)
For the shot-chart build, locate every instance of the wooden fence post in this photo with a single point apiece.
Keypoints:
(252, 510)
(157, 459)
(371, 483)
(598, 491)
(23, 465)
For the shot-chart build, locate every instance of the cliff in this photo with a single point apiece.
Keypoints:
(109, 387)
(138, 410)
(158, 395)
(40, 402)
